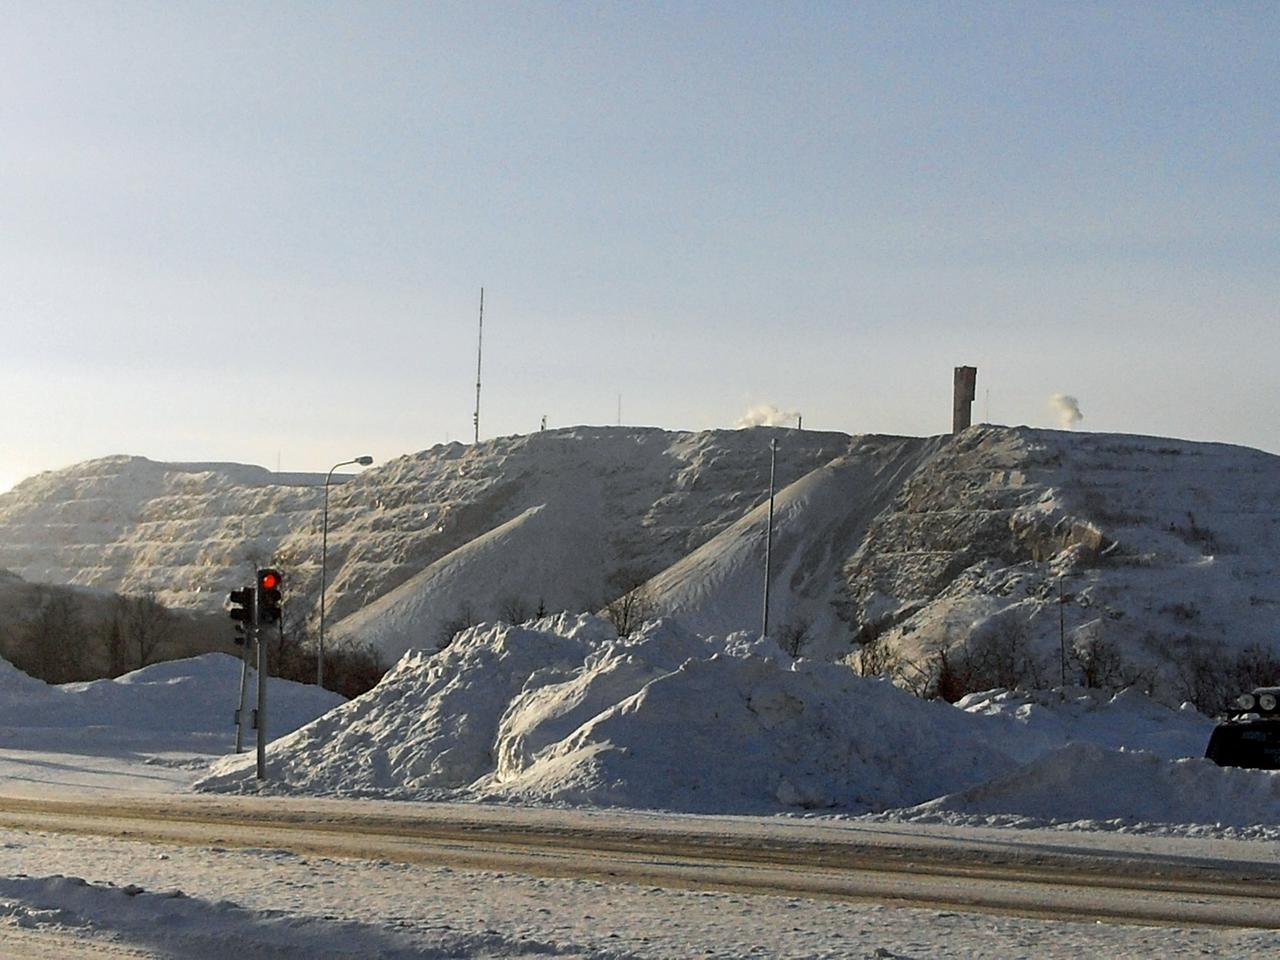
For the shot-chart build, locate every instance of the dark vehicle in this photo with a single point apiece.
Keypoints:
(1251, 736)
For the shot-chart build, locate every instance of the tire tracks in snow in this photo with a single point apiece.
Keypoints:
(931, 873)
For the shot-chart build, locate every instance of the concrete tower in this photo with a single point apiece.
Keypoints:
(966, 382)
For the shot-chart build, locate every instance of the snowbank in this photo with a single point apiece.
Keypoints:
(564, 711)
(196, 695)
(1037, 722)
(567, 712)
(1132, 790)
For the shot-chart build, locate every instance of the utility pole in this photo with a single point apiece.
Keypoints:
(1062, 633)
(479, 354)
(768, 537)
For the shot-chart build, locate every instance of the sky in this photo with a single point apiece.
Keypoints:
(258, 231)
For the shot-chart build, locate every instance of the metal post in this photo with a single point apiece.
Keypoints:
(364, 461)
(768, 539)
(244, 686)
(324, 560)
(479, 354)
(260, 715)
(1062, 632)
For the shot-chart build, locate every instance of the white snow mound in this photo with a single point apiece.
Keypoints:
(195, 695)
(1037, 722)
(1085, 782)
(565, 711)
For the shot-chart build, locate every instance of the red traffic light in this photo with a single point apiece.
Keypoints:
(268, 580)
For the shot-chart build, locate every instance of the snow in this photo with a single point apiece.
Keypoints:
(155, 726)
(254, 904)
(1041, 721)
(1090, 786)
(565, 712)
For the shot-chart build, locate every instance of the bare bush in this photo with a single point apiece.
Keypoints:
(111, 635)
(53, 645)
(1098, 663)
(147, 624)
(999, 656)
(1210, 678)
(875, 658)
(793, 635)
(462, 618)
(633, 606)
(349, 669)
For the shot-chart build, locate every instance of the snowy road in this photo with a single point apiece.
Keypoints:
(812, 860)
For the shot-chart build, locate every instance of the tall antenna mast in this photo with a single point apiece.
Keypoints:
(479, 354)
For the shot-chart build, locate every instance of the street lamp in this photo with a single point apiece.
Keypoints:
(324, 556)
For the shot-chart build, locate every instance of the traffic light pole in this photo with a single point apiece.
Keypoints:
(244, 612)
(244, 687)
(260, 715)
(252, 608)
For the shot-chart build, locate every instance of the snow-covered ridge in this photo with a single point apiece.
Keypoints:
(129, 524)
(1160, 546)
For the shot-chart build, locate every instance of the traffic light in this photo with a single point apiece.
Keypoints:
(269, 584)
(242, 612)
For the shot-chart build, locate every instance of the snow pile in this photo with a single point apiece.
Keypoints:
(565, 711)
(1041, 721)
(196, 695)
(1085, 782)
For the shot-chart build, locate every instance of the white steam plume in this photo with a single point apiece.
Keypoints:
(1067, 409)
(767, 415)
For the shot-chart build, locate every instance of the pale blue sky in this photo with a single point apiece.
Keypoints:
(698, 206)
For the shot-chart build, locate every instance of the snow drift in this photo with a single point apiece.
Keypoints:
(192, 696)
(1085, 782)
(565, 711)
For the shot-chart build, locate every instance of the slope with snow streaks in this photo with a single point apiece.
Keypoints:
(1163, 548)
(191, 533)
(550, 556)
(819, 522)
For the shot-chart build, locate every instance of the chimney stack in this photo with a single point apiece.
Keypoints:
(966, 382)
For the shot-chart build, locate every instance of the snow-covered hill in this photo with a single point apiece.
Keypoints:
(1163, 549)
(580, 509)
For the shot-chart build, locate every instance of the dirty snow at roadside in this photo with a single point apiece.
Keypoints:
(99, 897)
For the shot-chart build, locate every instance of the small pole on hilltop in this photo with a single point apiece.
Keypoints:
(479, 354)
(768, 538)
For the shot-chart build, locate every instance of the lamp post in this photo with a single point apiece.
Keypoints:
(324, 556)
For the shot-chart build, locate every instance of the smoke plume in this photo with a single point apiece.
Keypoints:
(767, 415)
(1067, 409)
